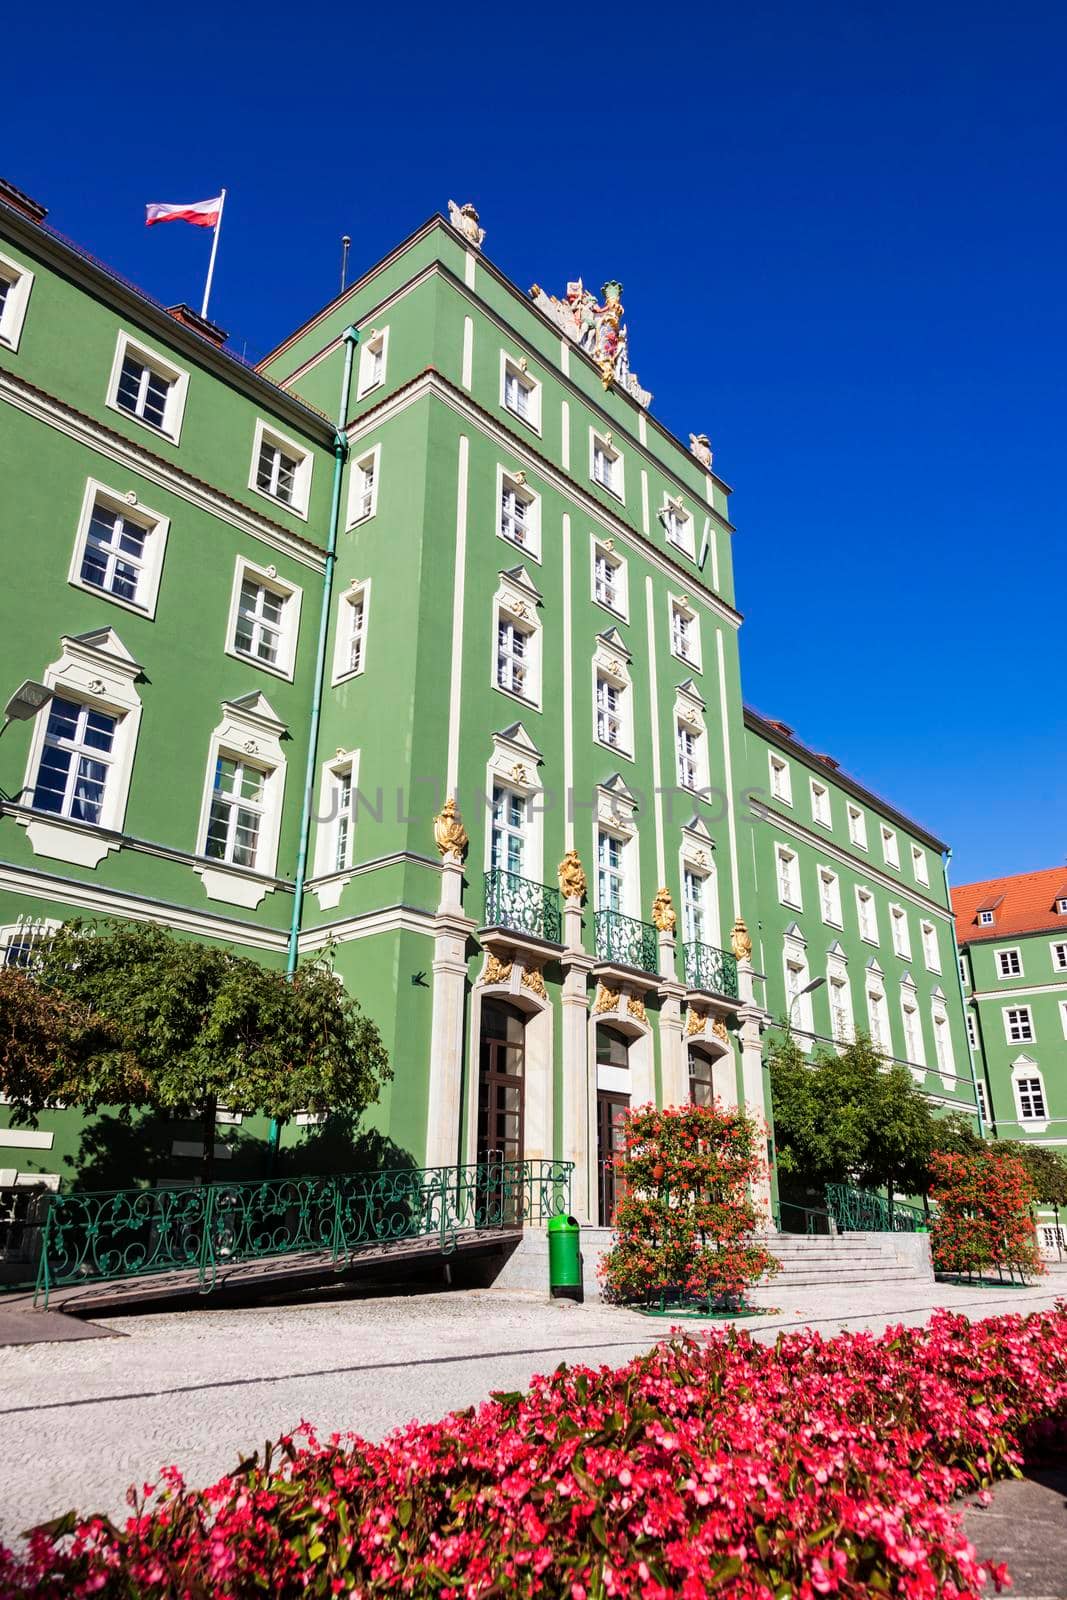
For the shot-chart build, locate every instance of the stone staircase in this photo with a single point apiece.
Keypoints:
(850, 1258)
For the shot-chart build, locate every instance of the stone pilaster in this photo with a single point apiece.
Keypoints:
(578, 1139)
(672, 1053)
(452, 928)
(750, 1019)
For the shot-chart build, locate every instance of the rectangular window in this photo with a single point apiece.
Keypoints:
(519, 393)
(281, 469)
(681, 632)
(788, 877)
(931, 950)
(868, 919)
(1030, 1096)
(898, 921)
(918, 865)
(781, 782)
(609, 712)
(363, 488)
(605, 464)
(981, 1099)
(23, 943)
(890, 847)
(830, 896)
(508, 840)
(820, 803)
(357, 622)
(512, 657)
(260, 616)
(606, 580)
(946, 1063)
(1018, 1024)
(985, 919)
(236, 813)
(677, 525)
(857, 827)
(517, 514)
(113, 558)
(610, 875)
(372, 362)
(840, 1008)
(688, 744)
(342, 805)
(276, 472)
(913, 1039)
(878, 1017)
(963, 972)
(972, 1037)
(15, 285)
(1059, 957)
(142, 391)
(692, 906)
(73, 770)
(1009, 964)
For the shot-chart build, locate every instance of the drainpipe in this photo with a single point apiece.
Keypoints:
(963, 1002)
(350, 339)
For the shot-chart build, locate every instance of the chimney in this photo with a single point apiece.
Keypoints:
(192, 319)
(829, 761)
(21, 202)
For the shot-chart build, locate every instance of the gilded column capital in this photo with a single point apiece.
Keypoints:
(449, 834)
(740, 942)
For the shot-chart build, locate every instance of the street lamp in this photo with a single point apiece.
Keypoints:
(809, 988)
(25, 703)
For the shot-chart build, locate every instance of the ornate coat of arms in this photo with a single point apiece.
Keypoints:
(596, 328)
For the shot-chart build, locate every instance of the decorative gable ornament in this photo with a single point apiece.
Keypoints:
(465, 221)
(598, 330)
(700, 445)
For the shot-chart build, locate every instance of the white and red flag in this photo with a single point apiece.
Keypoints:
(201, 213)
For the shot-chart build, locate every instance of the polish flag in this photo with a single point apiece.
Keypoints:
(201, 213)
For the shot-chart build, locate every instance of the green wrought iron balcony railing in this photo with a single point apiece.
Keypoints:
(521, 904)
(860, 1211)
(627, 941)
(711, 969)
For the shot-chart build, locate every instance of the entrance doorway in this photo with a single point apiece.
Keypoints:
(501, 1083)
(701, 1078)
(612, 1051)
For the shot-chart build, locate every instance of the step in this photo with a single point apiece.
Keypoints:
(805, 1280)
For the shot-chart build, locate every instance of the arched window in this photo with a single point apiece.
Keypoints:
(701, 1077)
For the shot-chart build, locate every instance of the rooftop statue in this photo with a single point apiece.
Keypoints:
(596, 328)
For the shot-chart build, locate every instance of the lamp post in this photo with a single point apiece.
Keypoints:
(25, 703)
(809, 988)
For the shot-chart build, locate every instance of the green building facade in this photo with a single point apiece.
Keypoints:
(533, 850)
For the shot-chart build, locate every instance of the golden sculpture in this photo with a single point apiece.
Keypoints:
(663, 911)
(694, 1022)
(449, 833)
(606, 999)
(740, 942)
(636, 1008)
(532, 979)
(572, 884)
(496, 971)
(718, 1028)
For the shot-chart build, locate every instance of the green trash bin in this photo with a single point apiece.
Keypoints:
(565, 1259)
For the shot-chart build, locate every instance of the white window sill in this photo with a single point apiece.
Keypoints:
(234, 885)
(346, 677)
(285, 673)
(142, 422)
(869, 938)
(358, 522)
(606, 489)
(379, 383)
(81, 843)
(616, 750)
(520, 699)
(687, 661)
(113, 599)
(794, 905)
(527, 550)
(620, 616)
(291, 506)
(534, 427)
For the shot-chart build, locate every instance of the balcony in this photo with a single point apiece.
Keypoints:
(522, 906)
(714, 971)
(625, 942)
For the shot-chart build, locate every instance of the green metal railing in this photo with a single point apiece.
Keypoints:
(859, 1211)
(133, 1233)
(709, 968)
(521, 904)
(627, 941)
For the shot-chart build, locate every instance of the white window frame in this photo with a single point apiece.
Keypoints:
(98, 671)
(518, 367)
(267, 433)
(344, 765)
(20, 282)
(1025, 1070)
(156, 528)
(972, 1032)
(245, 570)
(839, 993)
(900, 932)
(944, 1054)
(606, 548)
(696, 857)
(787, 875)
(865, 897)
(24, 934)
(931, 944)
(781, 778)
(985, 919)
(819, 794)
(874, 989)
(678, 606)
(177, 377)
(514, 609)
(613, 670)
(919, 865)
(510, 795)
(516, 484)
(1058, 955)
(857, 825)
(357, 486)
(1005, 954)
(678, 525)
(1025, 1022)
(513, 765)
(1061, 906)
(605, 442)
(912, 1024)
(1063, 1016)
(796, 975)
(689, 722)
(251, 732)
(376, 341)
(358, 592)
(830, 890)
(890, 846)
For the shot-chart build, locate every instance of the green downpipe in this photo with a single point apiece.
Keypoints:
(963, 1003)
(350, 339)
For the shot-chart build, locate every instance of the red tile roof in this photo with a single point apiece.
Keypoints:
(1023, 904)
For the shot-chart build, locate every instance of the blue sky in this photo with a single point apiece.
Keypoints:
(841, 233)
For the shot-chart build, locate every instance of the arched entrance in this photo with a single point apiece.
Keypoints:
(612, 1104)
(501, 1083)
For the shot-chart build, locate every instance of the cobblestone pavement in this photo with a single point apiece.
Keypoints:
(83, 1420)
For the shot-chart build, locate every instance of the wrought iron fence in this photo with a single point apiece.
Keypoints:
(132, 1233)
(519, 903)
(711, 969)
(859, 1211)
(624, 939)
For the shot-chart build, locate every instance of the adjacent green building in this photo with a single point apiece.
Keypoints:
(434, 578)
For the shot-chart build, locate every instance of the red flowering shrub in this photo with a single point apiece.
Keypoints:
(983, 1214)
(685, 1222)
(720, 1467)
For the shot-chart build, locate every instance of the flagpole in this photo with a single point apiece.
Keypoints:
(211, 263)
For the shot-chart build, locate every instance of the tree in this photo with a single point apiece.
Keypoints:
(190, 1027)
(51, 1047)
(983, 1214)
(1045, 1168)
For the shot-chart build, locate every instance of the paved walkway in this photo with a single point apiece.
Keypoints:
(83, 1420)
